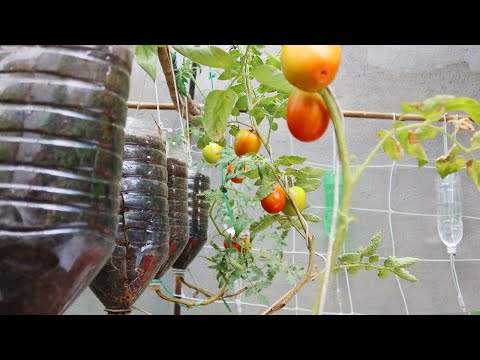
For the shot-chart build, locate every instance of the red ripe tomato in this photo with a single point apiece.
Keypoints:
(237, 246)
(307, 115)
(234, 245)
(236, 180)
(310, 67)
(275, 202)
(246, 141)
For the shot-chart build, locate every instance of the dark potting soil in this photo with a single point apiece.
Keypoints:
(143, 229)
(41, 272)
(178, 212)
(198, 219)
(130, 185)
(61, 144)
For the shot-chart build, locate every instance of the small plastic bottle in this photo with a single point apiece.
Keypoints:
(449, 210)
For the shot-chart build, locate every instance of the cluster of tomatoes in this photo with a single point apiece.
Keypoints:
(310, 68)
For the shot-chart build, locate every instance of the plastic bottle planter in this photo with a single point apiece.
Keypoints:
(142, 241)
(198, 219)
(178, 211)
(62, 116)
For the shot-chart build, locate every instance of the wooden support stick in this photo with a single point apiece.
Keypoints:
(346, 113)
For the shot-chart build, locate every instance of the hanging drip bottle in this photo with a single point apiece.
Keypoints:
(449, 211)
(449, 221)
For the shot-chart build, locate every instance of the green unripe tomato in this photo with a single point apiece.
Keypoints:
(300, 198)
(211, 153)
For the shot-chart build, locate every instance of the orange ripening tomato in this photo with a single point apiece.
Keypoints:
(310, 67)
(246, 141)
(236, 180)
(275, 202)
(307, 115)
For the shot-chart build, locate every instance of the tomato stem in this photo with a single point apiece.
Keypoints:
(336, 242)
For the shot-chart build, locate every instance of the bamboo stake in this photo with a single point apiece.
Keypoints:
(346, 113)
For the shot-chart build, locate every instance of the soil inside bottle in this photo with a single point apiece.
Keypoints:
(61, 142)
(198, 219)
(178, 212)
(142, 242)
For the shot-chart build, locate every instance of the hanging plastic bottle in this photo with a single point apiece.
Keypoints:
(143, 228)
(62, 114)
(449, 210)
(449, 221)
(177, 167)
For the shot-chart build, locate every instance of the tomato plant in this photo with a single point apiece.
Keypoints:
(307, 115)
(280, 182)
(310, 67)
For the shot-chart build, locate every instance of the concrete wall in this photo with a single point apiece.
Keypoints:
(371, 78)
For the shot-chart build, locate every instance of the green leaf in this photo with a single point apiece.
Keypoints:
(241, 102)
(265, 173)
(264, 190)
(405, 274)
(281, 111)
(426, 132)
(374, 259)
(449, 164)
(234, 130)
(349, 258)
(353, 270)
(273, 125)
(218, 106)
(391, 147)
(263, 223)
(272, 77)
(274, 62)
(203, 141)
(252, 174)
(383, 273)
(236, 264)
(209, 56)
(368, 267)
(473, 172)
(263, 299)
(235, 112)
(373, 246)
(147, 57)
(410, 144)
(289, 160)
(394, 262)
(227, 74)
(308, 185)
(313, 172)
(434, 108)
(258, 113)
(312, 218)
